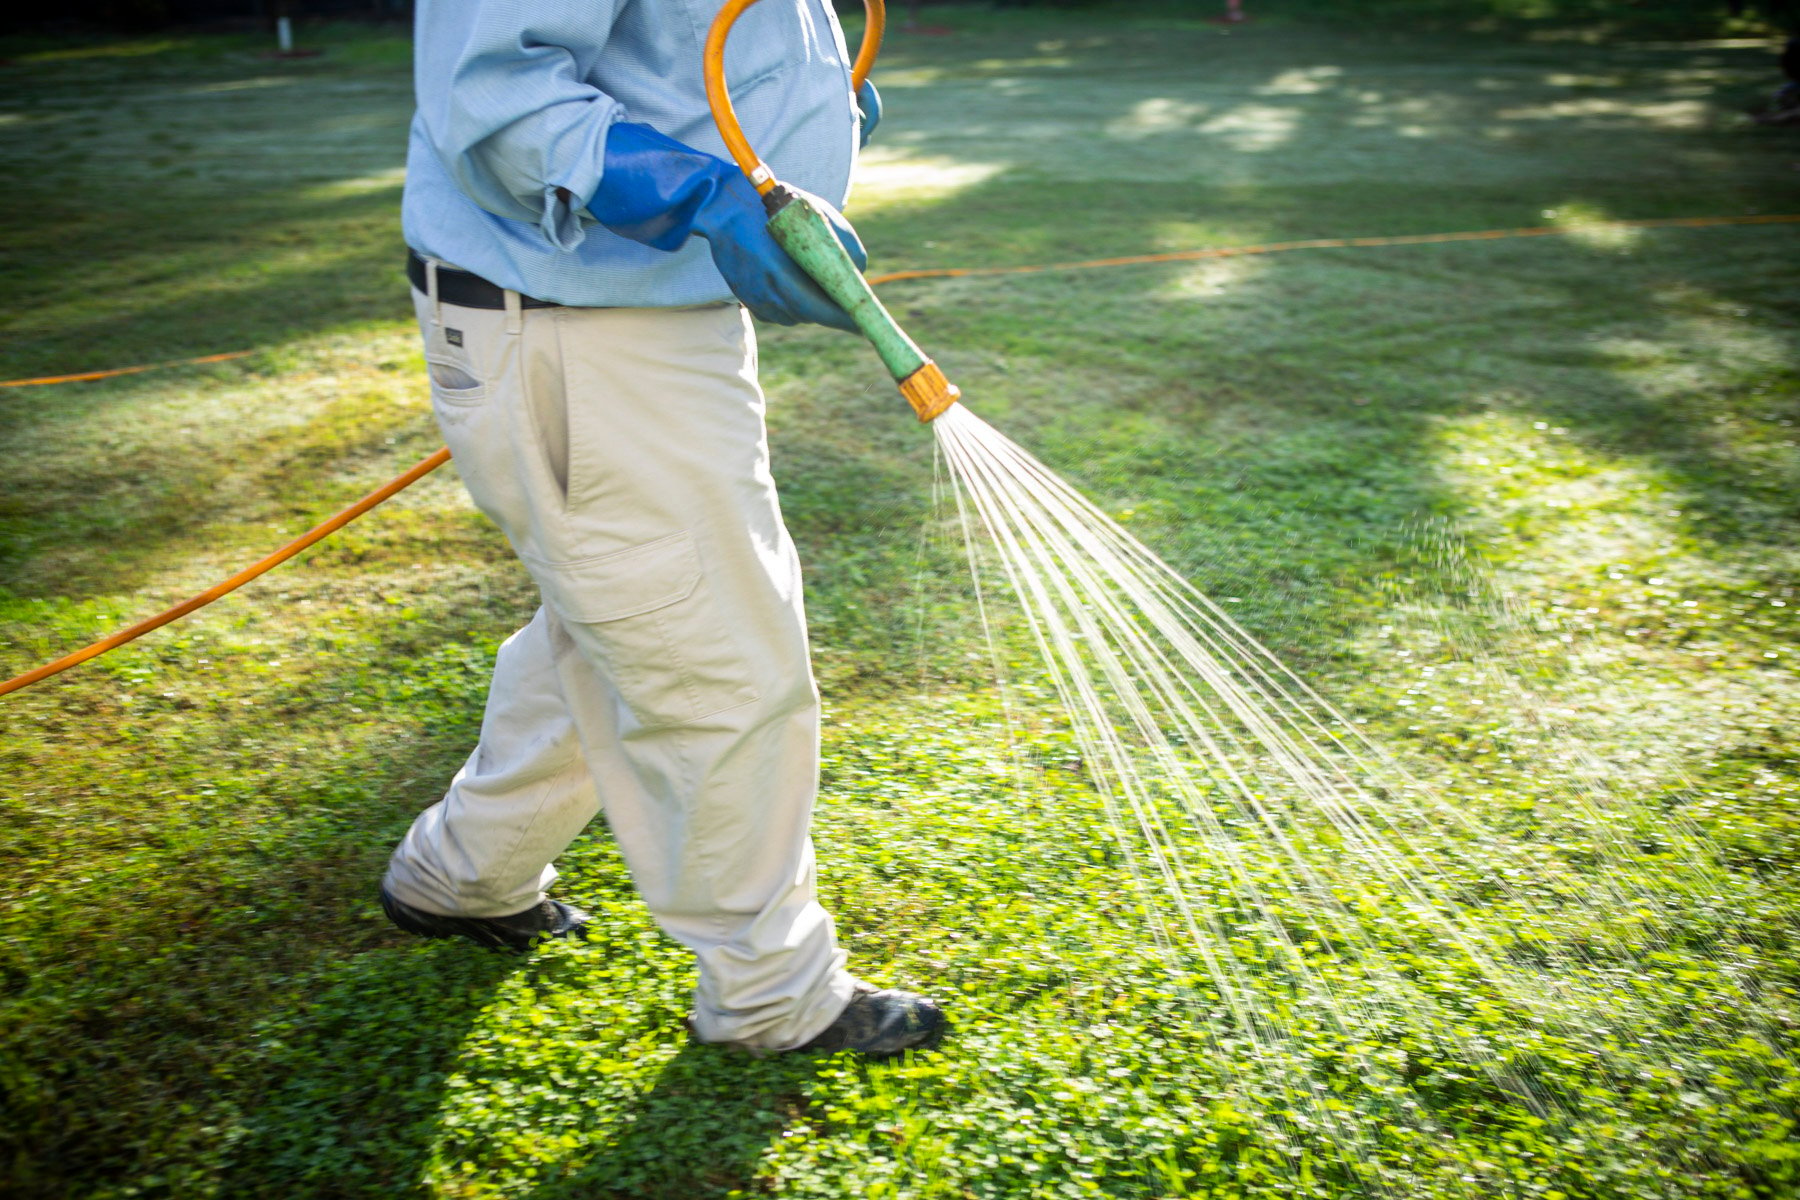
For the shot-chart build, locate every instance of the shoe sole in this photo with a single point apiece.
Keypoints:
(431, 925)
(933, 1038)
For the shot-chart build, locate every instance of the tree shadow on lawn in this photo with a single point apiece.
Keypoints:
(111, 531)
(699, 1132)
(1674, 363)
(350, 1079)
(152, 1006)
(130, 506)
(209, 269)
(353, 1101)
(195, 200)
(352, 1090)
(263, 270)
(148, 1056)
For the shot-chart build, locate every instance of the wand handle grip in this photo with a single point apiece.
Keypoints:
(807, 236)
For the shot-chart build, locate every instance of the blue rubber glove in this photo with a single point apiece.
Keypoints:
(655, 190)
(868, 102)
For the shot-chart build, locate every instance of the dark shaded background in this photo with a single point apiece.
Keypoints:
(1687, 16)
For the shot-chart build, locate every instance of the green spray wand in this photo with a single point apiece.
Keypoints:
(806, 234)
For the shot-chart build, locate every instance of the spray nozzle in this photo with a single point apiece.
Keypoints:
(805, 232)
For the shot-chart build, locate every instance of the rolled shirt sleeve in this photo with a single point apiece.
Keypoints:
(514, 122)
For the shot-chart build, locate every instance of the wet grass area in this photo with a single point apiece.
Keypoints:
(1524, 510)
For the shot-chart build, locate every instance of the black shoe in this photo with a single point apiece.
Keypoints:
(549, 919)
(883, 1023)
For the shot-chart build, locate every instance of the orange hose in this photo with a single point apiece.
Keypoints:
(316, 533)
(876, 25)
(718, 96)
(85, 376)
(1409, 239)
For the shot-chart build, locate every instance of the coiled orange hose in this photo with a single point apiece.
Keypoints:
(719, 97)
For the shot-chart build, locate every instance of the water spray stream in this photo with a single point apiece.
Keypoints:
(1245, 805)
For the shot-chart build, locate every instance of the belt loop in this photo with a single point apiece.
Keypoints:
(515, 319)
(431, 292)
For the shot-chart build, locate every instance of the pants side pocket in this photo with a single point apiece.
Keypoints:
(649, 615)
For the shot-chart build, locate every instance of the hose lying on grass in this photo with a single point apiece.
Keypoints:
(393, 487)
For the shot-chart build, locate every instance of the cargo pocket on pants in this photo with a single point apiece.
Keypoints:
(665, 643)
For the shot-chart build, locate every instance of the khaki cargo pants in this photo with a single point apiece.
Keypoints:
(665, 679)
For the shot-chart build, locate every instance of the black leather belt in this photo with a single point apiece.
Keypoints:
(463, 289)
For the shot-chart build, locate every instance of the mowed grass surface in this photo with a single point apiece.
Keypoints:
(1527, 508)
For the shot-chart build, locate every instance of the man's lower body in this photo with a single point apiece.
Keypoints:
(666, 678)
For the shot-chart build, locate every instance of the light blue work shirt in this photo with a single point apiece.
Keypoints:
(515, 98)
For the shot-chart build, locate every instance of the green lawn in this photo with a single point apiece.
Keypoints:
(1527, 508)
